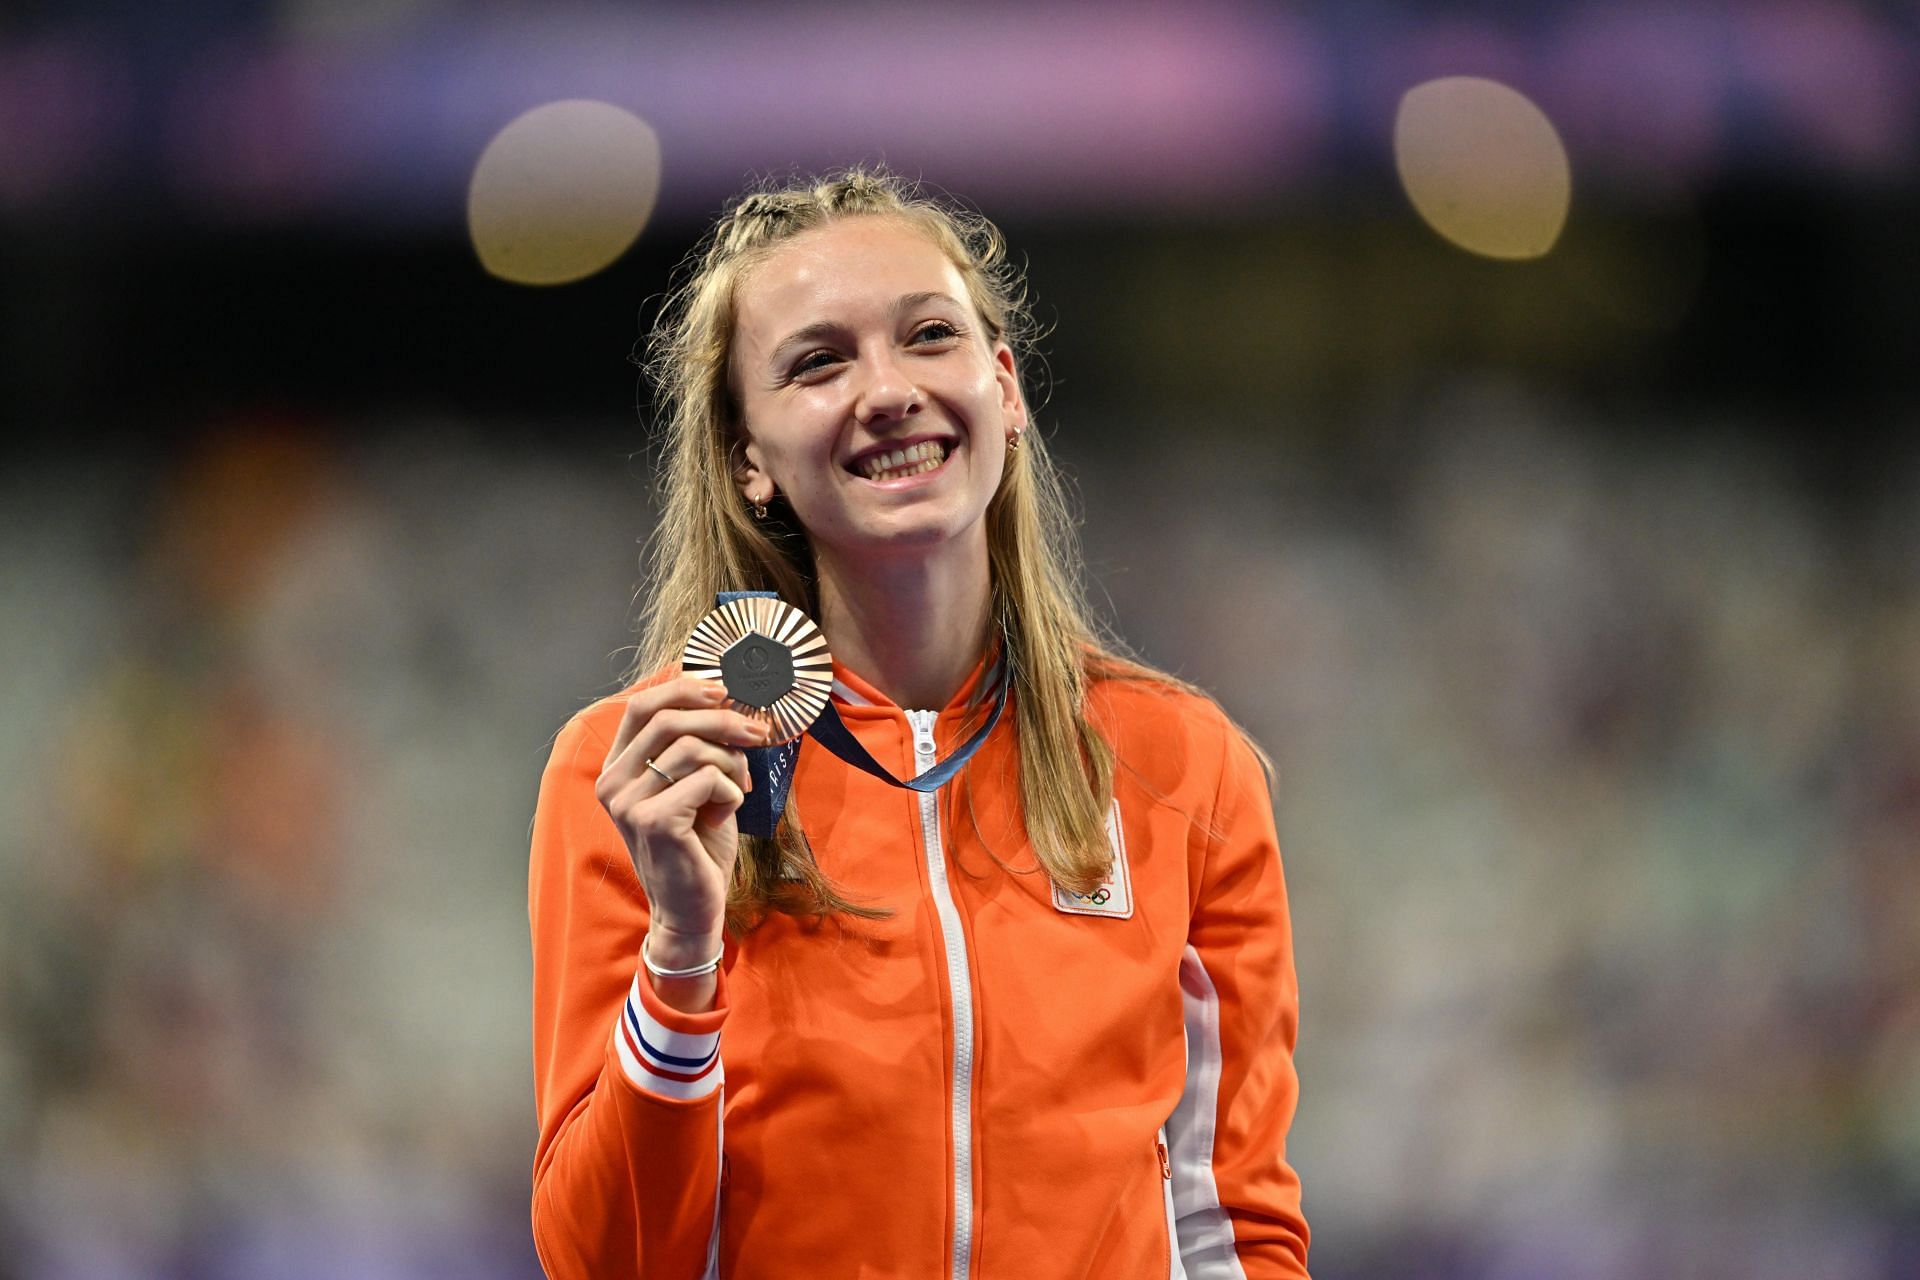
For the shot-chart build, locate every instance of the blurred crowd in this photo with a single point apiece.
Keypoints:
(1599, 791)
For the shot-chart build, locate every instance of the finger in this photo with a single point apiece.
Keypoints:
(705, 797)
(672, 754)
(731, 761)
(723, 797)
(684, 755)
(681, 691)
(718, 725)
(679, 755)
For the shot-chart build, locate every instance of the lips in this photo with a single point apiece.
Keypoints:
(897, 453)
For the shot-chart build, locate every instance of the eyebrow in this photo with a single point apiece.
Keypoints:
(826, 328)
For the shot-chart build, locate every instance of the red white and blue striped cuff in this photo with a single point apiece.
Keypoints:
(672, 1064)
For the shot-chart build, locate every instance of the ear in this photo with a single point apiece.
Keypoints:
(1007, 374)
(749, 476)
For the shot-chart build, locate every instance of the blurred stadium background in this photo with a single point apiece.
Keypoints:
(1508, 410)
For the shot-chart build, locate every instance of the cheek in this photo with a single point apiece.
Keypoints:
(979, 390)
(809, 476)
(795, 436)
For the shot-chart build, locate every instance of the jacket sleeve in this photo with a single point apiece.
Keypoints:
(627, 1090)
(1236, 1199)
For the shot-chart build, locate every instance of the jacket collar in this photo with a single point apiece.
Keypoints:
(850, 688)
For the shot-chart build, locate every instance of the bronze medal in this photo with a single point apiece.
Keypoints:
(770, 656)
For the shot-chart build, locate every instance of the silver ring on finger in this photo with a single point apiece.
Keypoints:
(670, 779)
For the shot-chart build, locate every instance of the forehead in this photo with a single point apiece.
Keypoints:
(841, 271)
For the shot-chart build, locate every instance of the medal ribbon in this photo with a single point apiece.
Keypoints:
(772, 767)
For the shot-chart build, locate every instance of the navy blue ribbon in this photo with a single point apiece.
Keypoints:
(772, 768)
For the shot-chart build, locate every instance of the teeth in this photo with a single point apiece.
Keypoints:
(910, 461)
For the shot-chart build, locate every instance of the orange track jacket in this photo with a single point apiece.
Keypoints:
(999, 1080)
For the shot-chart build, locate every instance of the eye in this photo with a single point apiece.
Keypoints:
(936, 331)
(812, 362)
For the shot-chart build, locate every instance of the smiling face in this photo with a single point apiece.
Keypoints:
(854, 344)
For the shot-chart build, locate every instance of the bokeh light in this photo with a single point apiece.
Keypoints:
(563, 191)
(1483, 165)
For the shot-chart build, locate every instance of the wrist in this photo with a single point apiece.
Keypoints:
(682, 969)
(675, 948)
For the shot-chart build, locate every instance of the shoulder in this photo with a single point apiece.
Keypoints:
(1134, 695)
(588, 732)
(573, 837)
(1150, 699)
(1171, 732)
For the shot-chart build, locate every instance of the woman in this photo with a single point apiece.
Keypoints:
(1039, 1022)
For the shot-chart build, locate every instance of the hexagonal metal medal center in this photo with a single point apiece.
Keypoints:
(756, 670)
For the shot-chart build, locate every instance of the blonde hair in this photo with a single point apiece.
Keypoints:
(707, 542)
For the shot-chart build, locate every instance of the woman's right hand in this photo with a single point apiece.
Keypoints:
(682, 836)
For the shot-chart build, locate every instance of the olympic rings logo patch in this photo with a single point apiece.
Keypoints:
(1115, 897)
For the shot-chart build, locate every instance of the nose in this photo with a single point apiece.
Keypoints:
(885, 392)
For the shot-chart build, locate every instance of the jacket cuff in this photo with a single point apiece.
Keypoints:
(668, 1053)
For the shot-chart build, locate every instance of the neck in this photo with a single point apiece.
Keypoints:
(914, 626)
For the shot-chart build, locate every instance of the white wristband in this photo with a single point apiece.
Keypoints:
(697, 971)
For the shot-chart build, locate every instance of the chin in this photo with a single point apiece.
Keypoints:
(907, 533)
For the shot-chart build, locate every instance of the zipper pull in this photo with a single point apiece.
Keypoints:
(1166, 1166)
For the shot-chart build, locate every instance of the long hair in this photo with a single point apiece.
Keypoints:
(706, 542)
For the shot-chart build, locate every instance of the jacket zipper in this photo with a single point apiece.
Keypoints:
(1176, 1269)
(959, 989)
